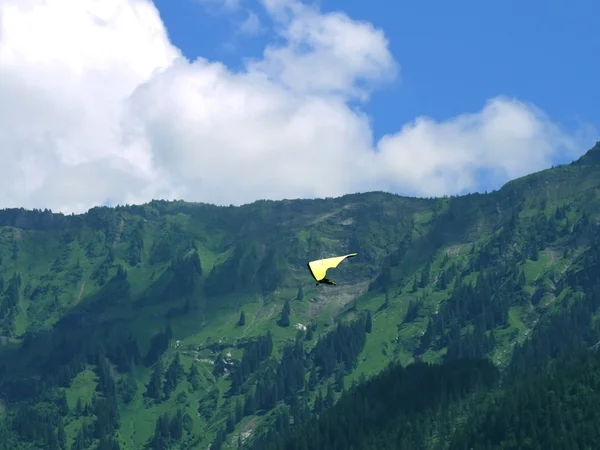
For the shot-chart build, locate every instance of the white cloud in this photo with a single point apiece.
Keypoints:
(325, 53)
(96, 103)
(227, 5)
(507, 138)
(251, 25)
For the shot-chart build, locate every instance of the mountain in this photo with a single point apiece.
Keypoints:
(179, 325)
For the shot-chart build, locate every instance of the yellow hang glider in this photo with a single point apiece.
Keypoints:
(318, 268)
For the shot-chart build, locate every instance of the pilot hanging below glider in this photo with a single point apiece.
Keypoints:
(318, 268)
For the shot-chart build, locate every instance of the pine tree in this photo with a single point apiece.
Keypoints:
(309, 333)
(319, 403)
(239, 410)
(242, 320)
(284, 321)
(230, 424)
(415, 286)
(312, 380)
(154, 387)
(425, 275)
(61, 435)
(329, 398)
(176, 426)
(522, 279)
(339, 378)
(173, 375)
(194, 376)
(128, 387)
(250, 404)
(369, 322)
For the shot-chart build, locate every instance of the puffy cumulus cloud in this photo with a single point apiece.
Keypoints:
(97, 104)
(325, 53)
(67, 68)
(251, 25)
(239, 137)
(505, 140)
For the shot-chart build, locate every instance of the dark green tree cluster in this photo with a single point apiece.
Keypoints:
(171, 243)
(384, 280)
(37, 219)
(100, 273)
(68, 358)
(447, 275)
(271, 271)
(104, 406)
(174, 374)
(9, 303)
(104, 403)
(571, 326)
(154, 388)
(72, 345)
(279, 384)
(334, 354)
(136, 243)
(413, 310)
(255, 352)
(386, 411)
(125, 354)
(556, 409)
(158, 345)
(236, 272)
(169, 430)
(185, 273)
(484, 304)
(220, 366)
(40, 422)
(342, 345)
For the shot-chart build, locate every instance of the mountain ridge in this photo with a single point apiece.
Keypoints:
(98, 307)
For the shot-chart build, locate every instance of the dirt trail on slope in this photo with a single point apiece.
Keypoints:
(338, 296)
(260, 315)
(119, 233)
(80, 295)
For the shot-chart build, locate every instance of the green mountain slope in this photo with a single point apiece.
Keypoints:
(180, 324)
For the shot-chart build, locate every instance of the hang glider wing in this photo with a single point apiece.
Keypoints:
(318, 268)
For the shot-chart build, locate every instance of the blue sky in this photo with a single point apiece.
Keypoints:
(453, 55)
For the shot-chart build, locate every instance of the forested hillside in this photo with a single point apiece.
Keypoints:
(464, 322)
